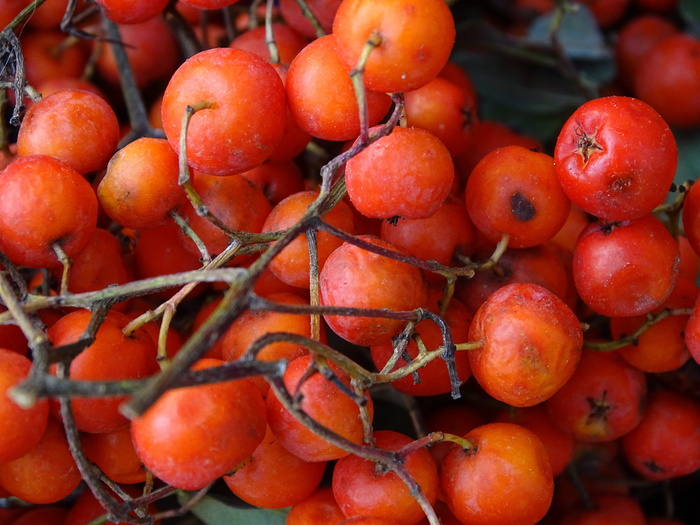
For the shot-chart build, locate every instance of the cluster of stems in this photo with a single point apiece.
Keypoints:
(23, 306)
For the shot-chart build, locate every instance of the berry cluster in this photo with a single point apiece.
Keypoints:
(242, 242)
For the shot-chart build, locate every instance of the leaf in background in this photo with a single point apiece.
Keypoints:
(688, 155)
(214, 512)
(523, 83)
(597, 72)
(533, 99)
(690, 10)
(579, 34)
(513, 82)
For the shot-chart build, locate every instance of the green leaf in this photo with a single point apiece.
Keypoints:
(533, 99)
(579, 34)
(523, 83)
(690, 10)
(214, 512)
(688, 155)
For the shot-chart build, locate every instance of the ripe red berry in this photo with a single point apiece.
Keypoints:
(505, 479)
(194, 435)
(409, 173)
(666, 443)
(274, 478)
(321, 96)
(61, 124)
(357, 278)
(45, 474)
(21, 428)
(434, 378)
(616, 158)
(515, 191)
(603, 400)
(291, 265)
(323, 401)
(613, 272)
(112, 356)
(416, 40)
(233, 135)
(362, 490)
(45, 203)
(140, 186)
(668, 79)
(531, 344)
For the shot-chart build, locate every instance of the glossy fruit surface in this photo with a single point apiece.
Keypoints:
(668, 77)
(62, 123)
(514, 191)
(616, 158)
(140, 186)
(194, 435)
(433, 378)
(45, 202)
(21, 428)
(113, 356)
(531, 344)
(416, 40)
(504, 479)
(408, 173)
(231, 135)
(325, 403)
(258, 285)
(291, 265)
(665, 444)
(357, 278)
(613, 272)
(234, 200)
(321, 96)
(603, 400)
(274, 478)
(361, 490)
(45, 474)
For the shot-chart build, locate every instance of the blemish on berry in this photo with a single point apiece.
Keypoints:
(620, 184)
(653, 466)
(522, 209)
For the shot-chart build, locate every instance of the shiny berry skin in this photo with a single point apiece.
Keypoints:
(194, 435)
(21, 428)
(434, 377)
(362, 490)
(515, 191)
(274, 478)
(246, 119)
(602, 401)
(666, 443)
(408, 173)
(416, 40)
(531, 344)
(321, 96)
(668, 79)
(44, 203)
(356, 278)
(111, 356)
(291, 265)
(614, 272)
(61, 125)
(323, 401)
(47, 473)
(616, 158)
(505, 479)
